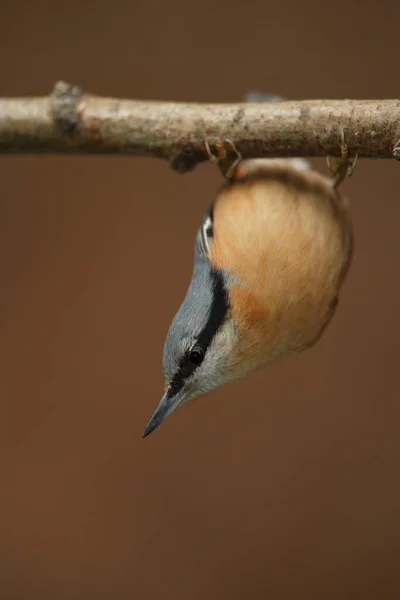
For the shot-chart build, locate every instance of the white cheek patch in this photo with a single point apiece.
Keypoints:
(206, 235)
(213, 372)
(300, 164)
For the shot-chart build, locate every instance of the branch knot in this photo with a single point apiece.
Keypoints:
(65, 101)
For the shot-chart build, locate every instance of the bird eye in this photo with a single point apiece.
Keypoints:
(196, 355)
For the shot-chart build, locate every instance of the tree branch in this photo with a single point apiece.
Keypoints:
(71, 121)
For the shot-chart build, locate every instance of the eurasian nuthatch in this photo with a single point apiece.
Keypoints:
(270, 258)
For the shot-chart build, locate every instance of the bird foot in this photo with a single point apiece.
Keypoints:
(340, 167)
(222, 158)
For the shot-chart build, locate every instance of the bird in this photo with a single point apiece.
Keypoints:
(271, 255)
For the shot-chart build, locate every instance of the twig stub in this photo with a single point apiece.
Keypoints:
(65, 100)
(186, 158)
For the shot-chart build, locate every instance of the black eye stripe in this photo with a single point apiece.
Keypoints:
(186, 368)
(218, 312)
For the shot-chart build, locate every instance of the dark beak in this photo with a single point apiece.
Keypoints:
(166, 406)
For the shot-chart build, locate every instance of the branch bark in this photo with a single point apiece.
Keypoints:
(70, 120)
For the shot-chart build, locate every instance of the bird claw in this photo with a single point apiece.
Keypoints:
(222, 158)
(340, 167)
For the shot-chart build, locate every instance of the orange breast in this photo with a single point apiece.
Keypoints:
(287, 237)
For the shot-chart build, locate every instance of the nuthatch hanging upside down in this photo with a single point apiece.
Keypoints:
(271, 255)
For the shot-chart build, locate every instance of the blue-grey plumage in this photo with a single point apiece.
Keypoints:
(270, 258)
(192, 357)
(191, 316)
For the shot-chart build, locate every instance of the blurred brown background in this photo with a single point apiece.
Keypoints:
(285, 485)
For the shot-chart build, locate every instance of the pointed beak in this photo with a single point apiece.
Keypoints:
(166, 406)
